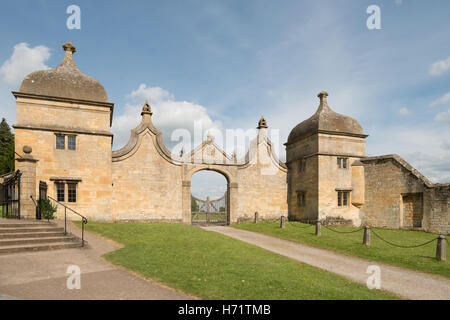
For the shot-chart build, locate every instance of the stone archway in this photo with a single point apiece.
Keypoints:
(190, 170)
(209, 210)
(161, 180)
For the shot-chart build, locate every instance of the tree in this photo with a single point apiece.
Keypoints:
(194, 205)
(47, 209)
(6, 148)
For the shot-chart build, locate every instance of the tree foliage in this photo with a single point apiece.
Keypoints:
(194, 205)
(6, 148)
(47, 209)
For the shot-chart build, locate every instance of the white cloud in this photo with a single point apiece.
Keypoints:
(152, 93)
(443, 116)
(426, 147)
(169, 114)
(442, 100)
(398, 2)
(22, 62)
(404, 112)
(439, 67)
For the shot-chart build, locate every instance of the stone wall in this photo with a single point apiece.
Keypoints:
(331, 180)
(321, 178)
(262, 187)
(386, 180)
(38, 122)
(437, 209)
(27, 166)
(150, 183)
(145, 185)
(305, 180)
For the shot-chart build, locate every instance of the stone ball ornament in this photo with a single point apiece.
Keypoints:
(27, 149)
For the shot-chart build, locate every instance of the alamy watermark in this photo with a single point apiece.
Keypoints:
(374, 280)
(74, 279)
(74, 20)
(373, 22)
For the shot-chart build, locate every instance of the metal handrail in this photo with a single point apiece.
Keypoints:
(83, 219)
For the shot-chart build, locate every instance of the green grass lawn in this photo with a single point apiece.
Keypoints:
(422, 258)
(212, 266)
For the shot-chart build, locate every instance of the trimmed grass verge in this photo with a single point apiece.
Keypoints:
(421, 258)
(212, 266)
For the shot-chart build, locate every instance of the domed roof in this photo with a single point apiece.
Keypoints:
(326, 120)
(64, 81)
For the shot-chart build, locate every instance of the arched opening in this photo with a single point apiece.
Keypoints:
(209, 198)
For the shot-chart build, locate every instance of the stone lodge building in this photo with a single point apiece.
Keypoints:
(65, 117)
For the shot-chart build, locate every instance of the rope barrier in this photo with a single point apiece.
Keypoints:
(377, 235)
(342, 231)
(401, 246)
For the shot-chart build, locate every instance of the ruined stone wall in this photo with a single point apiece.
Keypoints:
(437, 209)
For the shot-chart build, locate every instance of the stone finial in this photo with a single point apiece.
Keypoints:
(27, 149)
(209, 138)
(146, 109)
(68, 46)
(323, 97)
(262, 123)
(27, 156)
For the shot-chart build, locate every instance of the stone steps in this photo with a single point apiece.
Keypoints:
(29, 229)
(27, 241)
(28, 236)
(26, 224)
(31, 235)
(39, 247)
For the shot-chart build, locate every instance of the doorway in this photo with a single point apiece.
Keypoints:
(209, 198)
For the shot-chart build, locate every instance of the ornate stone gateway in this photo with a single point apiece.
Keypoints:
(161, 180)
(209, 211)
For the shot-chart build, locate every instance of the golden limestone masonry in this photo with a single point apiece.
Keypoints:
(63, 138)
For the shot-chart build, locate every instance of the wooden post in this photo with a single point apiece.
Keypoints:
(282, 222)
(318, 232)
(366, 238)
(256, 217)
(440, 249)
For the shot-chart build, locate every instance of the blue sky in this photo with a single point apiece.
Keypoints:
(229, 62)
